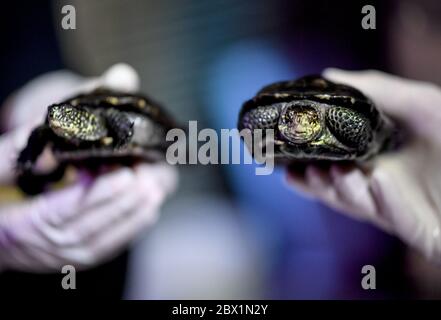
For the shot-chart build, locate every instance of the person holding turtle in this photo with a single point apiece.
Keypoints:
(94, 218)
(89, 222)
(401, 193)
(374, 157)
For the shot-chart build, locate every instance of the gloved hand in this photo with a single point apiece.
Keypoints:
(89, 221)
(401, 193)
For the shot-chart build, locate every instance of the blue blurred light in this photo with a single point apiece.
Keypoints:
(286, 223)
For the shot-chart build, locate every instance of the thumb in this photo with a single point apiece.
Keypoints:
(405, 208)
(120, 76)
(415, 103)
(31, 101)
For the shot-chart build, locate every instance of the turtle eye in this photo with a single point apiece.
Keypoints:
(53, 111)
(57, 112)
(300, 123)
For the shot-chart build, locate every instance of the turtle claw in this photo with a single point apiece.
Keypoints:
(120, 127)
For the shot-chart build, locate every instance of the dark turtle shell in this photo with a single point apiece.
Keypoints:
(137, 103)
(316, 119)
(94, 129)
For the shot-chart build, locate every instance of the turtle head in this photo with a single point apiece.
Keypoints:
(74, 123)
(300, 123)
(63, 119)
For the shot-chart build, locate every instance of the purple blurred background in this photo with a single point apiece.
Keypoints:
(229, 233)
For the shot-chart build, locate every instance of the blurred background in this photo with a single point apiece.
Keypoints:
(228, 233)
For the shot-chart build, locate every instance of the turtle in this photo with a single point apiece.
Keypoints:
(315, 119)
(103, 126)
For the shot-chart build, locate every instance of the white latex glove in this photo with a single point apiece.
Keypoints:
(89, 221)
(401, 193)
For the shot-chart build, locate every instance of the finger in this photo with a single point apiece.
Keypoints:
(395, 94)
(144, 190)
(28, 222)
(320, 184)
(353, 190)
(117, 238)
(405, 207)
(390, 207)
(58, 207)
(160, 176)
(295, 177)
(98, 219)
(52, 239)
(415, 103)
(120, 76)
(54, 207)
(108, 186)
(33, 259)
(152, 195)
(110, 242)
(29, 103)
(78, 213)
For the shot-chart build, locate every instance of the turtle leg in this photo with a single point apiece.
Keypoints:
(349, 127)
(36, 143)
(29, 182)
(119, 125)
(32, 183)
(260, 118)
